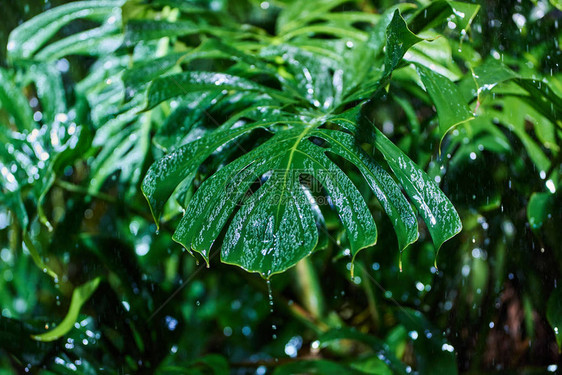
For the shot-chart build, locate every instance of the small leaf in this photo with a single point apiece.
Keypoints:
(30, 36)
(298, 14)
(14, 102)
(540, 204)
(398, 40)
(171, 86)
(452, 110)
(491, 73)
(79, 296)
(319, 366)
(437, 12)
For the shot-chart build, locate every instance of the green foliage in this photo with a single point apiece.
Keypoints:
(275, 134)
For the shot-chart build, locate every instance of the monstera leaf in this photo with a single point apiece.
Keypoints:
(270, 228)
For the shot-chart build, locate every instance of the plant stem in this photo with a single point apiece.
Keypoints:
(309, 288)
(82, 190)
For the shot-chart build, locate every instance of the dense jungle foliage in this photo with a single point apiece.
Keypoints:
(280, 187)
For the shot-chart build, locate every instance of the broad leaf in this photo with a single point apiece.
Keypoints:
(264, 201)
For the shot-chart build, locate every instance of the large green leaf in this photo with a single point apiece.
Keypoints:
(275, 227)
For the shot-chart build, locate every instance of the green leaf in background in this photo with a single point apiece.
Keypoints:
(29, 37)
(206, 365)
(554, 315)
(143, 30)
(434, 354)
(377, 345)
(320, 366)
(79, 296)
(14, 102)
(452, 110)
(540, 205)
(37, 259)
(557, 4)
(298, 14)
(184, 83)
(491, 73)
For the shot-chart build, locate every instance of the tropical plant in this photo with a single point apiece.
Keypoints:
(266, 133)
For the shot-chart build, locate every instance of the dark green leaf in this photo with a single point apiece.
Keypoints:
(433, 354)
(437, 211)
(377, 345)
(452, 110)
(540, 205)
(398, 40)
(180, 84)
(320, 366)
(143, 30)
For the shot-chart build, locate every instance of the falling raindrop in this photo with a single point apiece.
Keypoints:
(270, 295)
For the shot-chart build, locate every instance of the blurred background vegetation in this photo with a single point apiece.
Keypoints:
(492, 306)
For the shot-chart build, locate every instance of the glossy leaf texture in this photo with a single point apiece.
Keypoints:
(265, 201)
(38, 146)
